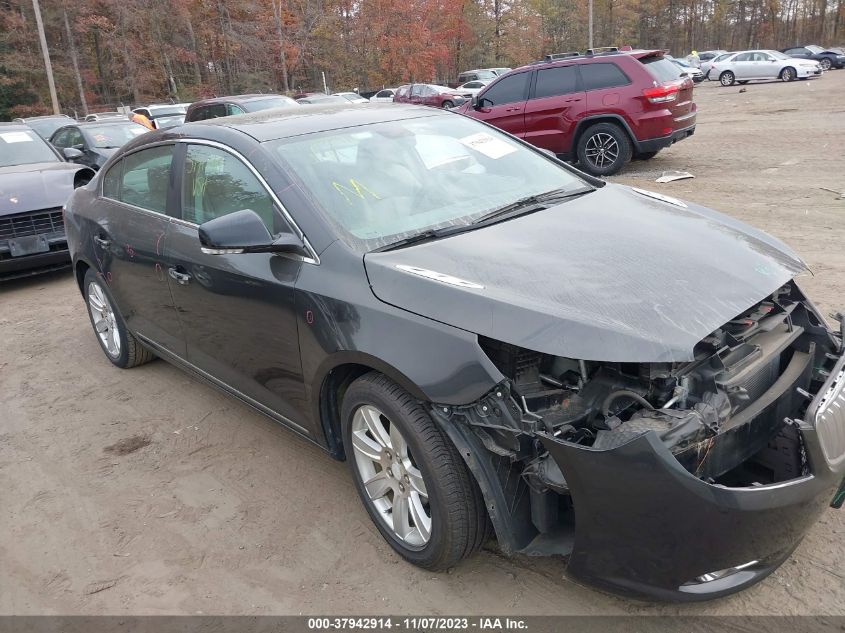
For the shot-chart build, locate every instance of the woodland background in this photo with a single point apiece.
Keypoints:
(111, 52)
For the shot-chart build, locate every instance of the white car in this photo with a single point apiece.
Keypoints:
(761, 65)
(472, 88)
(352, 97)
(707, 65)
(384, 96)
(689, 71)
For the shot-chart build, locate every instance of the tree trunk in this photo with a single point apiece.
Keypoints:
(277, 16)
(75, 61)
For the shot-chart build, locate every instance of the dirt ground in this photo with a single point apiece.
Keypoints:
(147, 492)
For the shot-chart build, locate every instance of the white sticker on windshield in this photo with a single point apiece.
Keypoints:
(16, 137)
(488, 145)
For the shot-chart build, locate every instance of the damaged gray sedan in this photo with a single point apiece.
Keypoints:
(496, 343)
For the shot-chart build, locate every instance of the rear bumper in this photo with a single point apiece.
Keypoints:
(646, 527)
(656, 144)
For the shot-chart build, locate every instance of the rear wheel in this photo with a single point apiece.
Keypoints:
(824, 62)
(118, 344)
(448, 104)
(411, 479)
(727, 78)
(788, 74)
(603, 149)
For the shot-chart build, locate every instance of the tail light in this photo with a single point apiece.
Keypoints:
(662, 94)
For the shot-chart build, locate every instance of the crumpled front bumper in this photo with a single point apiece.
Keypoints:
(646, 527)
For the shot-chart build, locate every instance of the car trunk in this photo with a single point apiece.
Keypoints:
(668, 75)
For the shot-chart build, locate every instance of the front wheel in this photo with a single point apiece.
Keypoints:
(727, 78)
(788, 74)
(411, 479)
(448, 104)
(603, 149)
(824, 62)
(117, 342)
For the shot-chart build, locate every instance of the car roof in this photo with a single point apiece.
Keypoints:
(276, 123)
(47, 116)
(551, 60)
(234, 98)
(14, 125)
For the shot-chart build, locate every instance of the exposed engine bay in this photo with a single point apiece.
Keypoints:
(726, 415)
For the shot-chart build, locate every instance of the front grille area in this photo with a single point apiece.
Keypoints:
(830, 421)
(31, 223)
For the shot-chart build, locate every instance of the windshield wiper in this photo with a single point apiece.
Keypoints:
(425, 236)
(529, 204)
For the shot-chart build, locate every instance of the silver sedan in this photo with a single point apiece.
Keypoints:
(761, 65)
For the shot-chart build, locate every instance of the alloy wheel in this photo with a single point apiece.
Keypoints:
(825, 63)
(103, 317)
(788, 74)
(726, 79)
(391, 478)
(602, 150)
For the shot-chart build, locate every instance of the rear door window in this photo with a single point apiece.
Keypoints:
(144, 179)
(661, 69)
(561, 80)
(603, 75)
(509, 89)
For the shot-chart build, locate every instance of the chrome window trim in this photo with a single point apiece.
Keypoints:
(313, 259)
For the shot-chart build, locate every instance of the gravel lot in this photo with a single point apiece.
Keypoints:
(147, 492)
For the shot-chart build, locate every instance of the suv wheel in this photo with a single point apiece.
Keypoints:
(788, 74)
(727, 78)
(603, 149)
(118, 344)
(411, 479)
(824, 62)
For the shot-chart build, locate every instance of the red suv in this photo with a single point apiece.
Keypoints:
(602, 107)
(430, 95)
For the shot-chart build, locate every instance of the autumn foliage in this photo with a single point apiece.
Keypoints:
(136, 51)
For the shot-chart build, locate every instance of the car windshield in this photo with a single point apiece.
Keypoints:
(113, 135)
(46, 127)
(267, 103)
(814, 49)
(382, 183)
(23, 147)
(157, 113)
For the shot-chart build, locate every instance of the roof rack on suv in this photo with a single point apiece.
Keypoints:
(553, 56)
(602, 49)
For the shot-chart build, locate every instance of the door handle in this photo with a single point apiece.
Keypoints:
(181, 278)
(512, 109)
(102, 242)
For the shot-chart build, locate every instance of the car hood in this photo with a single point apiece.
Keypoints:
(615, 275)
(35, 186)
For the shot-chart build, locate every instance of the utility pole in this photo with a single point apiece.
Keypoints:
(46, 53)
(590, 24)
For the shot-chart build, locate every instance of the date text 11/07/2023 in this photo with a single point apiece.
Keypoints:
(434, 623)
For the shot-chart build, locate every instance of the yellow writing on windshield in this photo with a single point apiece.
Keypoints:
(358, 190)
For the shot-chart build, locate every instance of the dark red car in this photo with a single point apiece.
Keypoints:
(600, 108)
(430, 95)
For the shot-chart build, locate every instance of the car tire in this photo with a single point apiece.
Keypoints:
(788, 74)
(117, 343)
(824, 62)
(727, 78)
(617, 149)
(645, 155)
(447, 104)
(412, 462)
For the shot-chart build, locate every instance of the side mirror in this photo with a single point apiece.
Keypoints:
(244, 232)
(72, 153)
(473, 102)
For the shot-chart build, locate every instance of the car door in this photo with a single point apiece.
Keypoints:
(415, 94)
(763, 66)
(557, 102)
(132, 216)
(743, 66)
(237, 310)
(503, 103)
